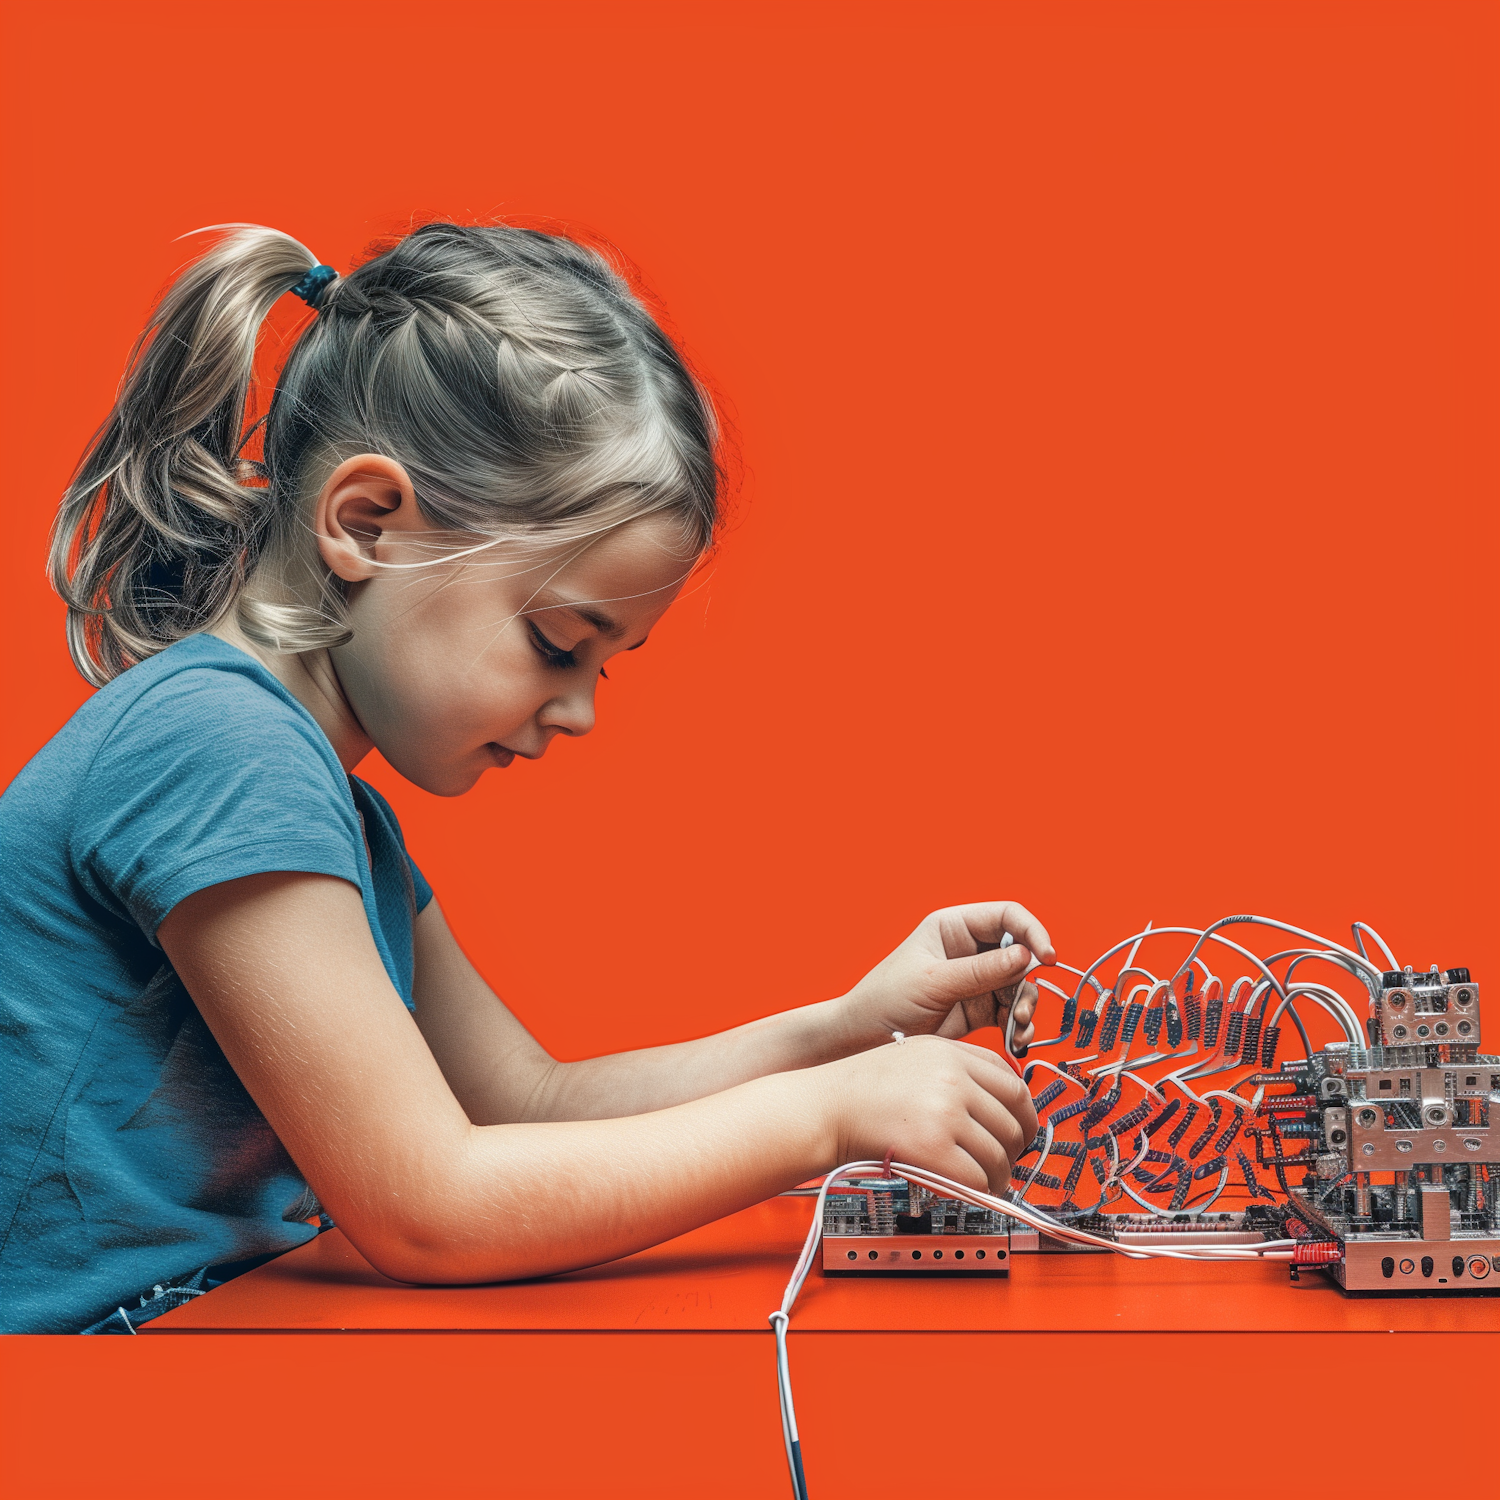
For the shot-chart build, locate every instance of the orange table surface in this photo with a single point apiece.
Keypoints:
(729, 1275)
(653, 1378)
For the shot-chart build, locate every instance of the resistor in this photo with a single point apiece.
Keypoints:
(1208, 1168)
(1215, 1110)
(1067, 1112)
(1164, 1116)
(1074, 1173)
(1232, 1130)
(1048, 1094)
(1183, 1125)
(1111, 1027)
(1183, 1188)
(1151, 1026)
(1256, 1187)
(1250, 1042)
(1268, 1040)
(1103, 1109)
(1131, 1120)
(1065, 1148)
(1036, 1175)
(1086, 1023)
(1070, 1009)
(1097, 1168)
(1211, 1021)
(1192, 1009)
(1174, 1024)
(1232, 1032)
(1132, 1020)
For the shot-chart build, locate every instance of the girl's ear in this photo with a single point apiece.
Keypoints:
(363, 499)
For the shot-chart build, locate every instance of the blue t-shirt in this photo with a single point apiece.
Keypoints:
(131, 1154)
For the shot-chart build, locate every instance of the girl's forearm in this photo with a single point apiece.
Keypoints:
(655, 1078)
(530, 1200)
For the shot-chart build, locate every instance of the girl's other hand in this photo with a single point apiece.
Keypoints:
(951, 976)
(947, 1106)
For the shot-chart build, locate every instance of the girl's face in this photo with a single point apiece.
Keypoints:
(460, 666)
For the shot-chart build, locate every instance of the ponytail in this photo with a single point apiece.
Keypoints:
(514, 374)
(156, 534)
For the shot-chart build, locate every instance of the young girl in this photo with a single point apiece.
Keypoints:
(230, 1006)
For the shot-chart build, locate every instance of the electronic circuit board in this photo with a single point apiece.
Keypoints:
(1384, 1156)
(886, 1225)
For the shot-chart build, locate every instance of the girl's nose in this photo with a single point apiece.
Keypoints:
(572, 712)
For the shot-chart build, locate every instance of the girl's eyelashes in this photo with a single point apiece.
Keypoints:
(551, 653)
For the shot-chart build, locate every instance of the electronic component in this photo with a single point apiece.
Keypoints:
(889, 1226)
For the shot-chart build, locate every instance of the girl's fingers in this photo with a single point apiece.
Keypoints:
(999, 1123)
(1023, 1007)
(999, 1081)
(963, 1165)
(978, 973)
(989, 921)
(993, 1161)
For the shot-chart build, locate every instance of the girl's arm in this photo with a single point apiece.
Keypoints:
(501, 1074)
(285, 972)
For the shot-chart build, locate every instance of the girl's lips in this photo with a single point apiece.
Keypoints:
(503, 757)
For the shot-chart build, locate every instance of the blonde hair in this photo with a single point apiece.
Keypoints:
(513, 373)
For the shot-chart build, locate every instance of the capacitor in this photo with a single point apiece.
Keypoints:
(1070, 1009)
(1250, 1043)
(1132, 1020)
(1151, 1026)
(1086, 1023)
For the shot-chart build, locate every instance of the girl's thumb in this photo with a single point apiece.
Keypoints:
(978, 974)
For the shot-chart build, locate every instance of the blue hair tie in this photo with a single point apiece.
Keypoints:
(312, 286)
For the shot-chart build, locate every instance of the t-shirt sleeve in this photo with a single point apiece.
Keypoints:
(419, 884)
(209, 777)
(387, 814)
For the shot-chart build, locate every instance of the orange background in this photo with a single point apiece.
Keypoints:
(1115, 387)
(1116, 391)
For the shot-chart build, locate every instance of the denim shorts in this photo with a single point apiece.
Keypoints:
(166, 1295)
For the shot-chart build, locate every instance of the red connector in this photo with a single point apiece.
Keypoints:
(1317, 1253)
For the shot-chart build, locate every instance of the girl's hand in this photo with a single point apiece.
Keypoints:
(951, 976)
(947, 1106)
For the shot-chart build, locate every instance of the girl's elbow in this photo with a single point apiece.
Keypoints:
(425, 1251)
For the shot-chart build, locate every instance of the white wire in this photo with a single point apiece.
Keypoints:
(1360, 927)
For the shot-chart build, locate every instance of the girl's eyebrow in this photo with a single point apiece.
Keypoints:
(601, 622)
(605, 624)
